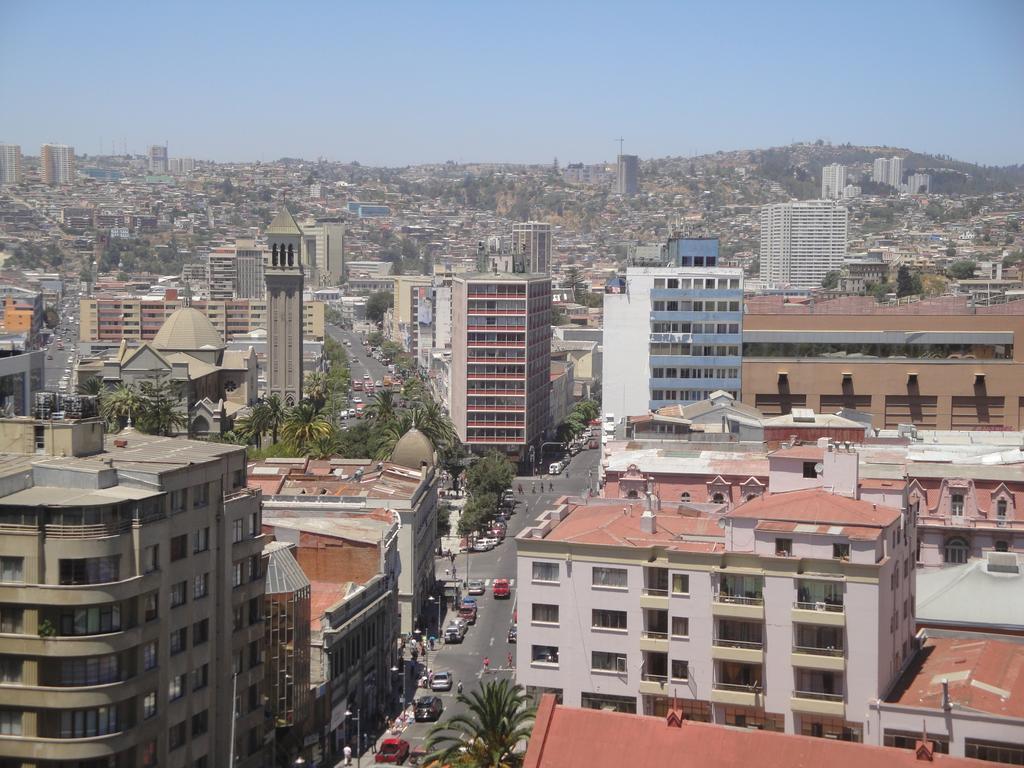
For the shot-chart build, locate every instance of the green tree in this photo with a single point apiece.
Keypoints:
(574, 282)
(907, 283)
(161, 412)
(121, 404)
(479, 510)
(303, 426)
(831, 280)
(377, 304)
(91, 386)
(390, 435)
(492, 474)
(315, 388)
(489, 733)
(963, 269)
(429, 419)
(51, 317)
(276, 413)
(382, 406)
(325, 446)
(950, 252)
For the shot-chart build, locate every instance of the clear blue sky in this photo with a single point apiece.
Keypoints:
(391, 83)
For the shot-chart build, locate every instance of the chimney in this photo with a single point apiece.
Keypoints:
(647, 519)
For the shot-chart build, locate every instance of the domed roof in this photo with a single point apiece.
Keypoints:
(187, 329)
(412, 450)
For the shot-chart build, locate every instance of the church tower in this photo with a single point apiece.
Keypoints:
(284, 276)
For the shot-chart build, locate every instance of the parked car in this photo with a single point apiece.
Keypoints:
(392, 751)
(501, 589)
(513, 633)
(428, 708)
(482, 545)
(476, 587)
(442, 681)
(468, 613)
(489, 542)
(453, 634)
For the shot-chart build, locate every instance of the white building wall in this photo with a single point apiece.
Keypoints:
(626, 368)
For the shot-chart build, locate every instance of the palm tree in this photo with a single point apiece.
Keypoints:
(91, 386)
(382, 406)
(256, 424)
(489, 733)
(325, 446)
(304, 425)
(392, 433)
(432, 422)
(121, 404)
(161, 408)
(276, 414)
(316, 389)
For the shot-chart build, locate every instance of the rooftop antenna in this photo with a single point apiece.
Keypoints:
(620, 140)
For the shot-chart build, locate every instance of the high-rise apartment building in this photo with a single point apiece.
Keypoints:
(627, 179)
(501, 361)
(888, 171)
(833, 181)
(235, 272)
(57, 163)
(323, 250)
(131, 594)
(158, 159)
(284, 276)
(895, 172)
(411, 313)
(671, 335)
(801, 242)
(919, 183)
(10, 164)
(180, 165)
(531, 240)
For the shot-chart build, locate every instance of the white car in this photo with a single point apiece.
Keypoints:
(482, 545)
(555, 469)
(489, 541)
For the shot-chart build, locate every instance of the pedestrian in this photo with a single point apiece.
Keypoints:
(535, 487)
(551, 486)
(451, 556)
(566, 473)
(347, 752)
(510, 660)
(373, 746)
(458, 688)
(520, 489)
(487, 663)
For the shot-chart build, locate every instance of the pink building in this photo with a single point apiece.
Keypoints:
(789, 612)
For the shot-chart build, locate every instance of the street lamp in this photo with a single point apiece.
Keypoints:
(299, 761)
(433, 599)
(401, 695)
(359, 734)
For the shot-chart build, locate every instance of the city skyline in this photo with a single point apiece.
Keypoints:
(395, 86)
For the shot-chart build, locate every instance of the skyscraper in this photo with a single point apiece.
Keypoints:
(531, 244)
(627, 180)
(158, 159)
(833, 180)
(323, 251)
(895, 172)
(57, 162)
(802, 242)
(10, 164)
(888, 171)
(285, 279)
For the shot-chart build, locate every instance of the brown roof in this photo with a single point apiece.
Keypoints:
(809, 452)
(565, 737)
(815, 506)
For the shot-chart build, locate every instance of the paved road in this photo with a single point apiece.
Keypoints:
(359, 358)
(489, 637)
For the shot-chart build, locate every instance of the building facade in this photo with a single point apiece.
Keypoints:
(801, 242)
(57, 163)
(324, 251)
(158, 159)
(284, 275)
(501, 359)
(10, 164)
(673, 335)
(532, 240)
(833, 181)
(132, 597)
(627, 180)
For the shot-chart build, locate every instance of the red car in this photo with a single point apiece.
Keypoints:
(502, 589)
(392, 751)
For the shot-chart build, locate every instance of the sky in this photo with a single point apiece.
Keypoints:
(397, 83)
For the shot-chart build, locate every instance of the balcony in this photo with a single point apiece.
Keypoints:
(820, 613)
(653, 597)
(812, 657)
(737, 606)
(746, 651)
(818, 703)
(737, 694)
(653, 685)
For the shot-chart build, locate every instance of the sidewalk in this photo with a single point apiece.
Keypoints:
(453, 542)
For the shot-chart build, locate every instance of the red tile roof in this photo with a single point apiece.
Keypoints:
(808, 452)
(984, 675)
(815, 506)
(564, 737)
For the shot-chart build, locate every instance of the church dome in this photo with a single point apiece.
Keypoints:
(187, 329)
(412, 450)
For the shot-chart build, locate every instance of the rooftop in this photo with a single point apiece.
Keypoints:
(817, 507)
(187, 329)
(973, 595)
(565, 737)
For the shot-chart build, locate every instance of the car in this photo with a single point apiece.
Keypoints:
(428, 708)
(476, 587)
(357, 400)
(442, 681)
(501, 590)
(555, 468)
(488, 541)
(467, 612)
(366, 376)
(469, 601)
(49, 357)
(481, 545)
(513, 633)
(376, 383)
(453, 634)
(393, 751)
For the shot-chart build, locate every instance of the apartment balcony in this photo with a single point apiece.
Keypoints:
(737, 694)
(654, 685)
(746, 651)
(809, 657)
(818, 703)
(501, 376)
(654, 598)
(654, 641)
(502, 424)
(737, 607)
(824, 614)
(499, 408)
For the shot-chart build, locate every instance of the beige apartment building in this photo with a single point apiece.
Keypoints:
(138, 318)
(131, 600)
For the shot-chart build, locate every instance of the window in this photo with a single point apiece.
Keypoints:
(10, 722)
(783, 547)
(255, 564)
(149, 754)
(10, 669)
(602, 619)
(94, 670)
(201, 495)
(1001, 509)
(1002, 546)
(179, 547)
(179, 640)
(86, 723)
(237, 615)
(680, 583)
(176, 735)
(200, 723)
(841, 551)
(236, 574)
(956, 504)
(11, 619)
(150, 609)
(255, 654)
(255, 610)
(200, 586)
(603, 661)
(810, 471)
(149, 656)
(956, 551)
(200, 632)
(680, 626)
(680, 669)
(179, 592)
(151, 558)
(200, 677)
(12, 570)
(149, 705)
(177, 501)
(544, 654)
(543, 613)
(176, 688)
(201, 540)
(685, 497)
(254, 524)
(89, 570)
(545, 572)
(994, 751)
(236, 531)
(611, 578)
